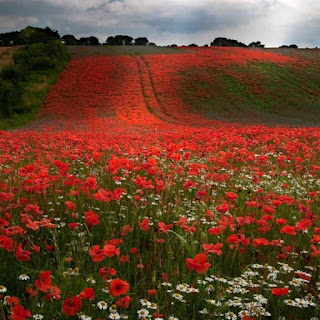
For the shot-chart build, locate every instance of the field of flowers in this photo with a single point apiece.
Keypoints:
(119, 202)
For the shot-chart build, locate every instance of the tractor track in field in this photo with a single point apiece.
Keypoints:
(151, 99)
(162, 108)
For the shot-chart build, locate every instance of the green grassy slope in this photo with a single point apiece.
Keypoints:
(256, 91)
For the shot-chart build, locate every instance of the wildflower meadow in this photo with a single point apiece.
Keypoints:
(120, 201)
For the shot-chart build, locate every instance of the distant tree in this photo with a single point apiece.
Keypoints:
(121, 40)
(31, 35)
(206, 45)
(141, 41)
(89, 41)
(256, 44)
(192, 45)
(224, 42)
(292, 46)
(110, 41)
(173, 46)
(152, 44)
(10, 38)
(70, 40)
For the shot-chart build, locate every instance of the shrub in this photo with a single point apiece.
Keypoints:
(10, 98)
(34, 57)
(41, 63)
(13, 73)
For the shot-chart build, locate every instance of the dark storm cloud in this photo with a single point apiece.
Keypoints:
(272, 21)
(307, 32)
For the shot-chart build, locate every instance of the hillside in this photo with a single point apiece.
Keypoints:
(270, 86)
(184, 86)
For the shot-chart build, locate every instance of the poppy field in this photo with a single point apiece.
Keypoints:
(120, 201)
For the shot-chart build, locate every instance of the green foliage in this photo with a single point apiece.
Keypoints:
(28, 35)
(31, 35)
(42, 63)
(9, 97)
(13, 73)
(17, 82)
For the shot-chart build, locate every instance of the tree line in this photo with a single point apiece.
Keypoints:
(31, 35)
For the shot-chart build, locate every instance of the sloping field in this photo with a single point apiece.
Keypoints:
(126, 199)
(189, 87)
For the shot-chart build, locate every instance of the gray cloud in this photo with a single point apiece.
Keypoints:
(274, 22)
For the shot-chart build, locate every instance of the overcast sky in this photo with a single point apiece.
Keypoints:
(274, 22)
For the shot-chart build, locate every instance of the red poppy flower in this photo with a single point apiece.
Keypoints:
(223, 208)
(124, 302)
(199, 263)
(71, 306)
(97, 254)
(73, 225)
(231, 195)
(280, 291)
(19, 313)
(70, 205)
(92, 219)
(163, 227)
(6, 243)
(118, 287)
(288, 230)
(237, 239)
(260, 242)
(213, 248)
(110, 250)
(12, 301)
(281, 221)
(144, 224)
(54, 293)
(152, 292)
(268, 209)
(31, 292)
(87, 294)
(22, 255)
(215, 230)
(44, 281)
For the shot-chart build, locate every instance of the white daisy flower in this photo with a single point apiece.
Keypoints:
(102, 305)
(3, 289)
(23, 277)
